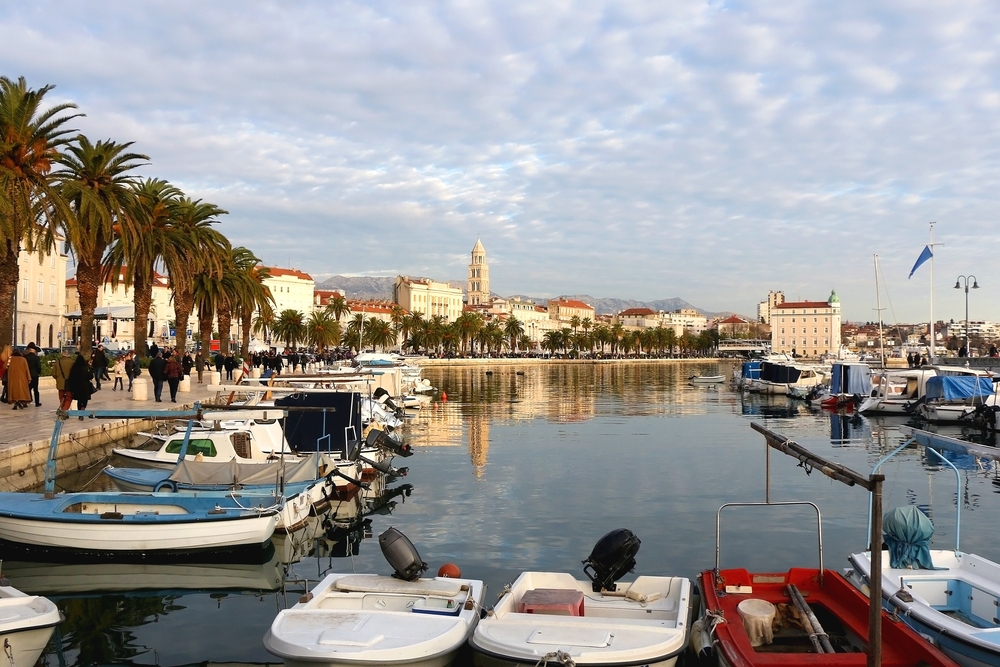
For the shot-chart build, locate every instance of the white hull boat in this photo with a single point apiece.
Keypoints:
(554, 618)
(26, 624)
(707, 379)
(368, 619)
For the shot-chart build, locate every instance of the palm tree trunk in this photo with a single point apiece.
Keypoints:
(225, 326)
(246, 321)
(205, 331)
(142, 300)
(88, 285)
(183, 304)
(10, 273)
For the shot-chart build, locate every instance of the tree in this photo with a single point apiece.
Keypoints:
(31, 205)
(338, 306)
(552, 341)
(102, 205)
(136, 251)
(381, 333)
(256, 299)
(323, 329)
(290, 326)
(513, 329)
(468, 325)
(193, 247)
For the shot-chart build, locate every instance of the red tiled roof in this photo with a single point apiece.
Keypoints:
(732, 319)
(276, 271)
(803, 304)
(571, 303)
(370, 307)
(637, 311)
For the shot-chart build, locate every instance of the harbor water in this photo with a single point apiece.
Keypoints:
(525, 468)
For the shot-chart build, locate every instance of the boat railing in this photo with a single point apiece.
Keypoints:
(785, 503)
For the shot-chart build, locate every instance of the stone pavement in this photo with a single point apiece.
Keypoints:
(21, 427)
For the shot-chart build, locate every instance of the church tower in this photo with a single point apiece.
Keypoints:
(479, 277)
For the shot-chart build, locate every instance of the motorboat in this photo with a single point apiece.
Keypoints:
(555, 618)
(802, 617)
(777, 378)
(213, 445)
(111, 523)
(850, 384)
(950, 398)
(943, 594)
(707, 379)
(370, 619)
(26, 624)
(896, 391)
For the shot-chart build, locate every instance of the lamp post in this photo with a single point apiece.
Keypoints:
(964, 280)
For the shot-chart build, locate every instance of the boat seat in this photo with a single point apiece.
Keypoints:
(373, 583)
(553, 601)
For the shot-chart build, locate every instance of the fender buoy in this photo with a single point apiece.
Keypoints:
(165, 486)
(449, 570)
(444, 397)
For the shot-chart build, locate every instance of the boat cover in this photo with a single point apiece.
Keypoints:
(957, 387)
(247, 474)
(335, 430)
(751, 370)
(850, 379)
(779, 373)
(908, 533)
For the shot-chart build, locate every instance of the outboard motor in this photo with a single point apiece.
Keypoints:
(402, 555)
(612, 558)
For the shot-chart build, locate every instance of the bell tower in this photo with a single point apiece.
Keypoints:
(479, 277)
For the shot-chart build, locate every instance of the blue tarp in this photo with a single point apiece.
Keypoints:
(751, 370)
(850, 379)
(958, 387)
(908, 533)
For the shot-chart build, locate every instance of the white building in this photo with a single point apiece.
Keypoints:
(114, 316)
(40, 300)
(765, 308)
(807, 328)
(428, 297)
(291, 289)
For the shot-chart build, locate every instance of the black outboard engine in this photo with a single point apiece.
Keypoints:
(402, 555)
(613, 557)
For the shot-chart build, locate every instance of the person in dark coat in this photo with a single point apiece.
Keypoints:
(153, 351)
(78, 383)
(35, 370)
(230, 364)
(99, 362)
(156, 368)
(187, 363)
(131, 363)
(60, 371)
(173, 372)
(220, 361)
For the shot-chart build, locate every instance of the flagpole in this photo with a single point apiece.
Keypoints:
(931, 244)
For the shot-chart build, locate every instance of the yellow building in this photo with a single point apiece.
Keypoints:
(291, 289)
(40, 300)
(806, 328)
(114, 316)
(564, 310)
(428, 297)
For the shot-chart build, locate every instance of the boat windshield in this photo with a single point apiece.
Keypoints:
(196, 446)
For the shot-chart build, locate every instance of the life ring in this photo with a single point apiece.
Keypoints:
(165, 485)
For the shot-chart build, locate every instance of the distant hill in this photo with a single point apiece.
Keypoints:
(381, 288)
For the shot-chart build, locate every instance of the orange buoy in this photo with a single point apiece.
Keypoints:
(444, 397)
(449, 570)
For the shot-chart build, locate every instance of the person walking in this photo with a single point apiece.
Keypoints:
(118, 371)
(200, 365)
(187, 363)
(4, 360)
(60, 371)
(18, 381)
(78, 383)
(131, 364)
(35, 371)
(173, 371)
(219, 363)
(156, 368)
(230, 365)
(99, 362)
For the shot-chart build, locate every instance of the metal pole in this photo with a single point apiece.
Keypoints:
(875, 582)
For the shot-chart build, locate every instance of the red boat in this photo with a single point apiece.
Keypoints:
(800, 601)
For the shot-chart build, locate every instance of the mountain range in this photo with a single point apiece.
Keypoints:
(380, 288)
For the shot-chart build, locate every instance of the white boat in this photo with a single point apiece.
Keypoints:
(26, 624)
(554, 618)
(777, 378)
(896, 391)
(952, 397)
(707, 379)
(215, 445)
(955, 603)
(368, 619)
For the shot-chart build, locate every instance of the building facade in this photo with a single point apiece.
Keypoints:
(114, 316)
(806, 328)
(564, 310)
(765, 308)
(291, 289)
(39, 303)
(428, 297)
(479, 277)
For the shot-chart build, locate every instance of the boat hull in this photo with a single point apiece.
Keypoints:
(26, 624)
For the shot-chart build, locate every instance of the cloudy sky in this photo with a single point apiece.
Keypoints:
(707, 150)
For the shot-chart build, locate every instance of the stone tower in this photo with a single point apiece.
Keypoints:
(479, 277)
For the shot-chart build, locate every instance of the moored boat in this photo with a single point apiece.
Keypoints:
(26, 624)
(555, 618)
(366, 619)
(706, 379)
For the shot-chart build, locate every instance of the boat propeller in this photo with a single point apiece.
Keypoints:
(612, 558)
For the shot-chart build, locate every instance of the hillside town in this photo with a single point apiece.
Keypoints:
(48, 313)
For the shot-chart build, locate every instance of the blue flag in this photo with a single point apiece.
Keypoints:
(924, 256)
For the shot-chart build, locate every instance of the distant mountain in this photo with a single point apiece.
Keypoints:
(381, 288)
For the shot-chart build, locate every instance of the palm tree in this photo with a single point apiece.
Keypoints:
(193, 247)
(468, 325)
(615, 335)
(31, 140)
(381, 333)
(357, 332)
(207, 293)
(102, 202)
(323, 330)
(575, 322)
(256, 298)
(338, 306)
(670, 340)
(408, 325)
(552, 341)
(513, 329)
(291, 327)
(135, 253)
(396, 317)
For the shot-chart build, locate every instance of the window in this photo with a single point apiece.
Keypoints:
(24, 290)
(205, 447)
(52, 296)
(41, 292)
(814, 329)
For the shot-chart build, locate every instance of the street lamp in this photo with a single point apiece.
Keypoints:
(964, 280)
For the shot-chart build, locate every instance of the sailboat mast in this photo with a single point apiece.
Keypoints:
(931, 353)
(878, 307)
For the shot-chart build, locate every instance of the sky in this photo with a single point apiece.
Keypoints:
(711, 151)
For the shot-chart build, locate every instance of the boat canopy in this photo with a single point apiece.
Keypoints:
(779, 373)
(957, 387)
(908, 533)
(250, 474)
(751, 370)
(850, 379)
